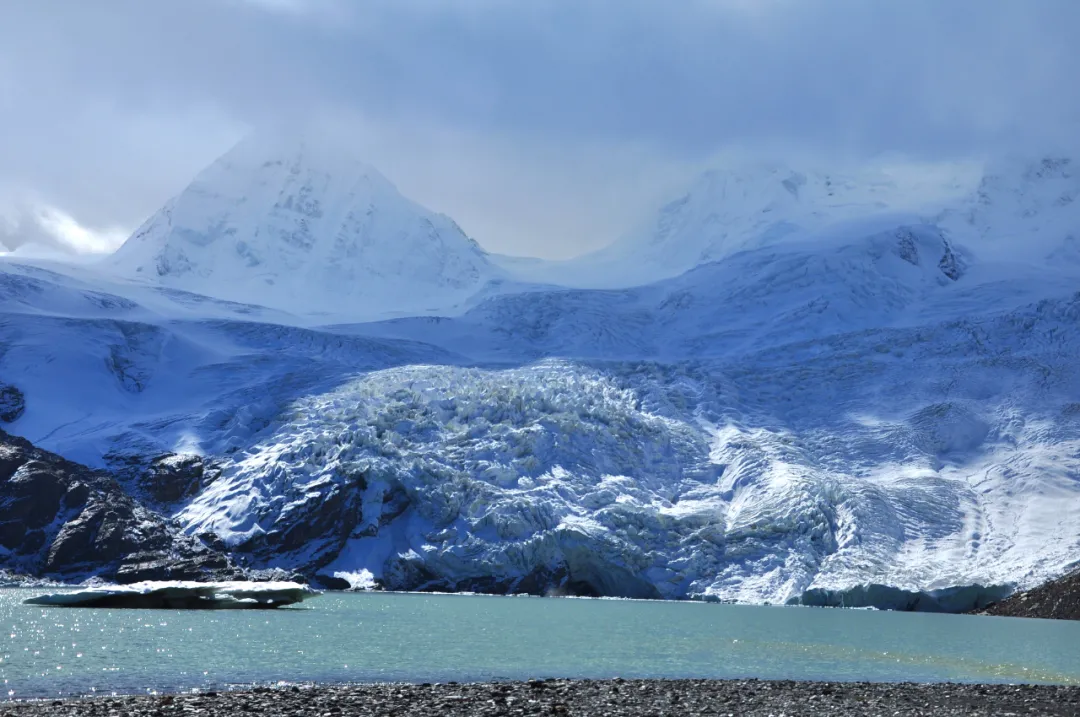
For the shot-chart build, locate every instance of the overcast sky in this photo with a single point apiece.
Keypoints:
(543, 127)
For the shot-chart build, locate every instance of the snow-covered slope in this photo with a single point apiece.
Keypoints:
(1033, 205)
(299, 226)
(863, 275)
(110, 367)
(742, 207)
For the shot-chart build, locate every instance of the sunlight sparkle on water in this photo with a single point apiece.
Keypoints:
(433, 638)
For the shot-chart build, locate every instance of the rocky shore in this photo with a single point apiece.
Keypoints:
(583, 697)
(1058, 599)
(63, 521)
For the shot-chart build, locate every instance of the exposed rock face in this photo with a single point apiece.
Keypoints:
(165, 479)
(1058, 599)
(907, 248)
(320, 526)
(63, 520)
(174, 476)
(950, 265)
(12, 403)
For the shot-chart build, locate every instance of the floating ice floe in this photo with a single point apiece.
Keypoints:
(180, 595)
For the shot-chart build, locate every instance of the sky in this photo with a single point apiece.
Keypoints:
(543, 127)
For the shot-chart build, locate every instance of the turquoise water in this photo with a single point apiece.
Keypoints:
(438, 638)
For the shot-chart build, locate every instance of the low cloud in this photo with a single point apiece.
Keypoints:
(45, 229)
(544, 128)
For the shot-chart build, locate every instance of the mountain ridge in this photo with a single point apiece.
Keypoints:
(291, 224)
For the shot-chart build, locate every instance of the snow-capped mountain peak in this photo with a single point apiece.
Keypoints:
(743, 207)
(1022, 207)
(298, 224)
(726, 211)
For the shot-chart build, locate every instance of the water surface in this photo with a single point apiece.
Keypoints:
(342, 637)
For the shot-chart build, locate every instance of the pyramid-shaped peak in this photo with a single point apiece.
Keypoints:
(743, 180)
(295, 223)
(271, 151)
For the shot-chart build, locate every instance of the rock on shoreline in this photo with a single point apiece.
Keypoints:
(586, 697)
(1058, 599)
(64, 521)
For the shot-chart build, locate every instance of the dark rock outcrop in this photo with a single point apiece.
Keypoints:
(174, 476)
(1058, 599)
(907, 248)
(311, 533)
(165, 479)
(63, 520)
(950, 265)
(12, 403)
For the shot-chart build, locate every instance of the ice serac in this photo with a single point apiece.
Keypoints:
(297, 225)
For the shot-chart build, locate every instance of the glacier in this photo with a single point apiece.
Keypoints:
(879, 407)
(808, 467)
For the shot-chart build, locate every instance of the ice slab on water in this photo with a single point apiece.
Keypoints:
(183, 595)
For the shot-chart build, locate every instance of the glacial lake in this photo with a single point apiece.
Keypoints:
(342, 637)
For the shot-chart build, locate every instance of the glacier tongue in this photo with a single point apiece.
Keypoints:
(295, 225)
(498, 473)
(800, 472)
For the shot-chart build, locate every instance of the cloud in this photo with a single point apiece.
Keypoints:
(542, 127)
(68, 233)
(50, 229)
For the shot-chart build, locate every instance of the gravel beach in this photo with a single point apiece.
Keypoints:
(584, 697)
